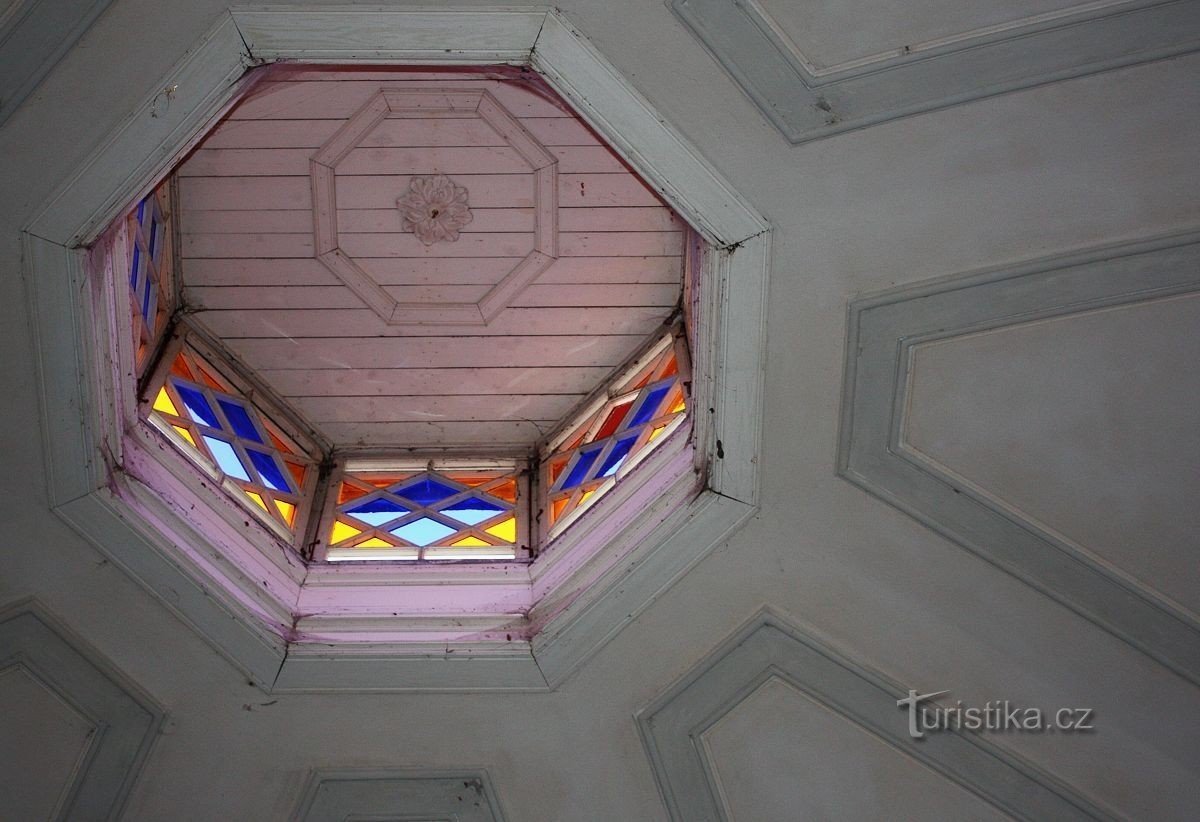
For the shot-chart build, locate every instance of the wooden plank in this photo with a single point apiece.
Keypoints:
(431, 271)
(407, 245)
(363, 221)
(437, 352)
(480, 244)
(550, 131)
(364, 324)
(197, 193)
(452, 160)
(433, 407)
(355, 192)
(439, 434)
(329, 297)
(643, 218)
(485, 190)
(236, 246)
(413, 382)
(286, 100)
(620, 244)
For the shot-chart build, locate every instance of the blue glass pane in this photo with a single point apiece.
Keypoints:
(617, 456)
(197, 406)
(473, 511)
(147, 292)
(582, 466)
(152, 315)
(227, 458)
(142, 209)
(377, 511)
(268, 469)
(424, 531)
(649, 407)
(133, 269)
(426, 492)
(240, 420)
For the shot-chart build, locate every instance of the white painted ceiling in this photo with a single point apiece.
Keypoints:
(250, 273)
(1064, 166)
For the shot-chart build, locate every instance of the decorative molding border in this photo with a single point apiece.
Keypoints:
(769, 647)
(428, 102)
(882, 332)
(247, 620)
(806, 102)
(399, 796)
(126, 721)
(34, 36)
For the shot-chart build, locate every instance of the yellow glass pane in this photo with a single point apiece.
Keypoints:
(679, 406)
(374, 542)
(583, 497)
(186, 434)
(470, 542)
(258, 500)
(341, 531)
(656, 433)
(163, 403)
(505, 530)
(288, 510)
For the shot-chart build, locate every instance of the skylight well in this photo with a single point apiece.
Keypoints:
(580, 361)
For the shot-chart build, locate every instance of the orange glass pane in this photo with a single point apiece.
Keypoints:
(298, 472)
(472, 482)
(556, 468)
(556, 508)
(280, 444)
(671, 369)
(613, 421)
(379, 482)
(212, 381)
(507, 490)
(575, 443)
(180, 369)
(680, 405)
(348, 492)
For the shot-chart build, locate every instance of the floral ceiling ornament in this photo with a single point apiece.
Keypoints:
(434, 208)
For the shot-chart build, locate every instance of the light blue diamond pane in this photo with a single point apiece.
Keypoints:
(472, 510)
(226, 458)
(376, 518)
(423, 531)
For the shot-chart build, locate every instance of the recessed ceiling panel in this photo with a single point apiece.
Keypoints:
(423, 259)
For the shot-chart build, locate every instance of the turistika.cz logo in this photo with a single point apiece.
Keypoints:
(995, 715)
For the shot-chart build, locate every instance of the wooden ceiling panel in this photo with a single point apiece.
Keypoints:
(366, 378)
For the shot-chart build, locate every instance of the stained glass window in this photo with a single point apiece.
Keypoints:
(443, 510)
(615, 433)
(209, 418)
(150, 262)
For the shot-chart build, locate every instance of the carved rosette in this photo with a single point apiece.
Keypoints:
(434, 208)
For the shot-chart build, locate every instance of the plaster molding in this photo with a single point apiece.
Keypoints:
(126, 721)
(806, 101)
(672, 727)
(882, 333)
(80, 383)
(400, 795)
